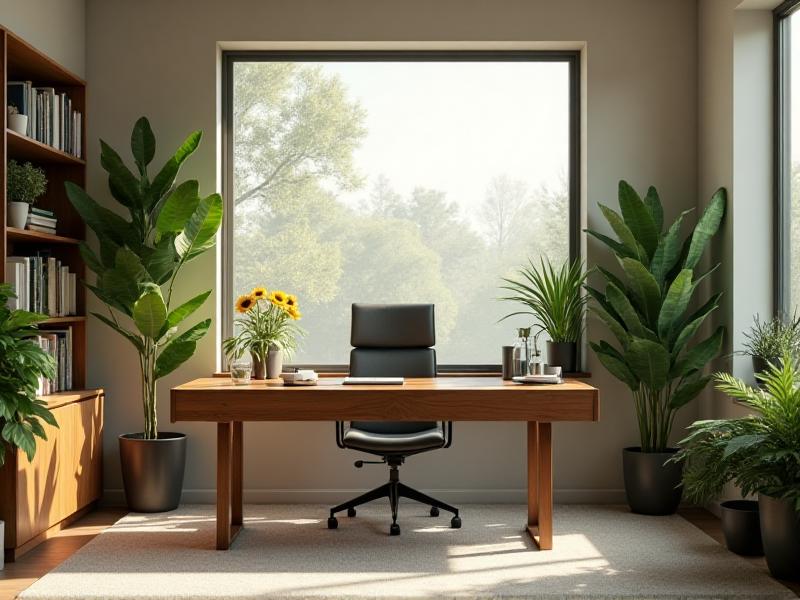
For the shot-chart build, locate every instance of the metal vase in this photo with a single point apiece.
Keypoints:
(152, 470)
(780, 532)
(652, 487)
(741, 526)
(259, 367)
(274, 363)
(564, 355)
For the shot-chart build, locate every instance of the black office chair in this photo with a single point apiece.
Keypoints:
(393, 341)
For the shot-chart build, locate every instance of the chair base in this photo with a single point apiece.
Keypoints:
(394, 490)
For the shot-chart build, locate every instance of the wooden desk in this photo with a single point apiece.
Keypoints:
(217, 400)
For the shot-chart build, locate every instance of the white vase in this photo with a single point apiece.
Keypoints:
(18, 124)
(274, 363)
(18, 214)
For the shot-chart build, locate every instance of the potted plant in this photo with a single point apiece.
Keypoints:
(760, 453)
(266, 331)
(26, 183)
(556, 300)
(647, 311)
(16, 122)
(137, 266)
(767, 341)
(22, 364)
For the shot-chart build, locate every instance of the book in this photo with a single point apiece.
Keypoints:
(42, 284)
(42, 228)
(42, 212)
(43, 221)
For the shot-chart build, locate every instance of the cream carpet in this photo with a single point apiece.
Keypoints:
(287, 551)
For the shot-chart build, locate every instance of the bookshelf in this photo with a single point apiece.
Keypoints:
(64, 479)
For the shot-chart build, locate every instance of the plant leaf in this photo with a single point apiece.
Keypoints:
(644, 287)
(180, 349)
(616, 367)
(623, 232)
(706, 227)
(165, 178)
(649, 361)
(187, 308)
(688, 392)
(623, 307)
(150, 313)
(178, 208)
(201, 229)
(700, 355)
(653, 204)
(668, 251)
(105, 223)
(675, 303)
(137, 343)
(143, 144)
(638, 218)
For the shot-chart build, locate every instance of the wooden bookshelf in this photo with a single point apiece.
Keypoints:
(65, 476)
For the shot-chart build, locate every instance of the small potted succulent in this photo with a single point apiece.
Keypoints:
(767, 341)
(17, 122)
(555, 298)
(26, 183)
(759, 454)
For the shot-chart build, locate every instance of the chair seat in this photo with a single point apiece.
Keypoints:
(358, 439)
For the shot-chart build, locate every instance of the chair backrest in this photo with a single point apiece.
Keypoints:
(393, 340)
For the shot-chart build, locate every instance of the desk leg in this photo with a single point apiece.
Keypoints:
(540, 484)
(237, 473)
(226, 529)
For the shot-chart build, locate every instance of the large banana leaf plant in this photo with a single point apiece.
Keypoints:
(647, 308)
(139, 259)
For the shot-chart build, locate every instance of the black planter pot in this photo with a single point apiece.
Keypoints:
(741, 526)
(760, 364)
(652, 488)
(152, 470)
(780, 532)
(564, 355)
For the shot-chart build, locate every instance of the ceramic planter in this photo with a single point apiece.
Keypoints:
(274, 363)
(780, 532)
(18, 214)
(259, 367)
(741, 526)
(564, 355)
(152, 470)
(760, 364)
(652, 487)
(18, 124)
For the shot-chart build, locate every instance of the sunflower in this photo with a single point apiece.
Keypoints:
(278, 297)
(291, 300)
(245, 303)
(259, 293)
(293, 312)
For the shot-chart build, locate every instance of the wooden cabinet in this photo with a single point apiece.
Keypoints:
(64, 479)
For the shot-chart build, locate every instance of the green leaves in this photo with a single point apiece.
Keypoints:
(180, 349)
(706, 227)
(646, 309)
(143, 144)
(187, 308)
(150, 313)
(178, 208)
(201, 229)
(166, 176)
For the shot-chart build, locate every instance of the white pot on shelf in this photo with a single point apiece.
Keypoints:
(18, 124)
(274, 363)
(18, 214)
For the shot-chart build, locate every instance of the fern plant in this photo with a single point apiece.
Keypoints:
(647, 309)
(760, 453)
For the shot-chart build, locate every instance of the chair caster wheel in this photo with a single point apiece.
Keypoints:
(455, 522)
(394, 529)
(351, 512)
(434, 511)
(333, 523)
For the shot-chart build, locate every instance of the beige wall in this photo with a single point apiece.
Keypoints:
(56, 27)
(159, 59)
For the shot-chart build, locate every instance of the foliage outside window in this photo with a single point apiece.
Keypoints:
(358, 180)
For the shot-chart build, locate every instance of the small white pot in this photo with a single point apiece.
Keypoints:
(18, 214)
(2, 539)
(18, 124)
(274, 363)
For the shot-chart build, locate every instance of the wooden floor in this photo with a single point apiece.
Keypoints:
(19, 575)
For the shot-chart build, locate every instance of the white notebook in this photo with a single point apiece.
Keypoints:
(373, 381)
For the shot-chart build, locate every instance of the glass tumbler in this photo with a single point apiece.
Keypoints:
(241, 369)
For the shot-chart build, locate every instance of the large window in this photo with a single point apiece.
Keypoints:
(398, 177)
(787, 249)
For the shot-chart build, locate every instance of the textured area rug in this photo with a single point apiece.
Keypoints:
(287, 551)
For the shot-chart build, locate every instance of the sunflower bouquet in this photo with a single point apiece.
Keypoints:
(268, 324)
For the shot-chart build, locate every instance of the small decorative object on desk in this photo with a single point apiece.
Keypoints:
(241, 369)
(522, 351)
(300, 377)
(549, 375)
(25, 184)
(555, 298)
(266, 331)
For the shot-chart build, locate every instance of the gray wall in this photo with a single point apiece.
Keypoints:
(160, 59)
(56, 27)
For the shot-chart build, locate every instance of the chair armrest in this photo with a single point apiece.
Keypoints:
(340, 434)
(447, 429)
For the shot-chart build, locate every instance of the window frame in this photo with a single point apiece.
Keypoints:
(782, 155)
(230, 57)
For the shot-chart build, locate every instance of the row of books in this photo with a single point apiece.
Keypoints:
(40, 219)
(51, 118)
(57, 343)
(42, 285)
